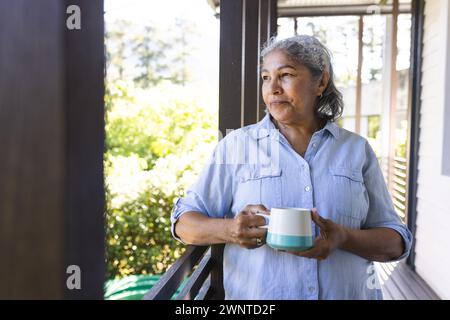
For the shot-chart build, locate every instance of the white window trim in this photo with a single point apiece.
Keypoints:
(446, 140)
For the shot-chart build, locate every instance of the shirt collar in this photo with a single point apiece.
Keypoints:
(332, 128)
(265, 128)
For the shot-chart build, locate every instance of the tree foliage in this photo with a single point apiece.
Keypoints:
(155, 150)
(157, 140)
(152, 55)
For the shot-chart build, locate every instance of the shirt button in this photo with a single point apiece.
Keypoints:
(314, 145)
(307, 188)
(311, 289)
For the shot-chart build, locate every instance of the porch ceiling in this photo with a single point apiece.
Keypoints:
(294, 8)
(325, 3)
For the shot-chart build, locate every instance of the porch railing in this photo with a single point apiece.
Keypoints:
(399, 187)
(203, 266)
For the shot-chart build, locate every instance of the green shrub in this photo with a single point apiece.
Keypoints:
(156, 146)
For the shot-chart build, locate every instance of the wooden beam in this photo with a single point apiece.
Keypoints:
(267, 23)
(245, 27)
(250, 58)
(197, 279)
(84, 146)
(172, 278)
(230, 62)
(52, 138)
(218, 292)
(272, 27)
(32, 133)
(263, 36)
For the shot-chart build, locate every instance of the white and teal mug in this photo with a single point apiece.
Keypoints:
(289, 229)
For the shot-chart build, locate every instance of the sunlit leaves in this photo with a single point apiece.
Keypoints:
(156, 146)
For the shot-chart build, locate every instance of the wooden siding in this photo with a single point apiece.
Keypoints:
(433, 212)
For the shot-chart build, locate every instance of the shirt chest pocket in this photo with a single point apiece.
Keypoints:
(348, 192)
(257, 185)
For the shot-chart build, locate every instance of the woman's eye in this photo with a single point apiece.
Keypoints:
(286, 75)
(265, 78)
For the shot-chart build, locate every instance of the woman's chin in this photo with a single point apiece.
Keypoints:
(281, 114)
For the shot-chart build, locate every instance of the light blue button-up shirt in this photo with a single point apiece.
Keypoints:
(339, 175)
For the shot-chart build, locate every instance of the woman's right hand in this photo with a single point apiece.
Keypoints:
(244, 231)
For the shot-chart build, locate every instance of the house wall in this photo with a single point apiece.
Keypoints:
(433, 209)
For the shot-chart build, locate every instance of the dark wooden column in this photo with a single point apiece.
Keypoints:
(51, 156)
(267, 28)
(250, 54)
(417, 24)
(244, 27)
(230, 77)
(84, 146)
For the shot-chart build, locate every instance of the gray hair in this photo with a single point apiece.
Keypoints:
(310, 52)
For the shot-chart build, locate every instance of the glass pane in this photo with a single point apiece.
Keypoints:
(375, 79)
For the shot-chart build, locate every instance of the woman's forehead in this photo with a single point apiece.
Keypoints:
(278, 59)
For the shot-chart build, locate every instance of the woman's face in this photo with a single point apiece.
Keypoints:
(289, 90)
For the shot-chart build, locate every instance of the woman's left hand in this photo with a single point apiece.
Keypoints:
(332, 236)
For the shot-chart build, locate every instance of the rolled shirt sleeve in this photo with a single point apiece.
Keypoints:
(381, 209)
(211, 195)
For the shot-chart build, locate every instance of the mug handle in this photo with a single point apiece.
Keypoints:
(266, 218)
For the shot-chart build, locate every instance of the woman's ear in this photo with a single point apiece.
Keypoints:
(323, 82)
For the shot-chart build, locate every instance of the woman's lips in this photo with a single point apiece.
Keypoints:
(279, 102)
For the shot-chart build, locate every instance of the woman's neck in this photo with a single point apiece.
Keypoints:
(299, 134)
(300, 129)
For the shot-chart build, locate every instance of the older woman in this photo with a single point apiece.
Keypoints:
(295, 157)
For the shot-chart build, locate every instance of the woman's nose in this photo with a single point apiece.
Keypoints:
(275, 87)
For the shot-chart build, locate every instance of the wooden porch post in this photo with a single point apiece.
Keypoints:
(267, 28)
(250, 62)
(51, 158)
(230, 64)
(244, 27)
